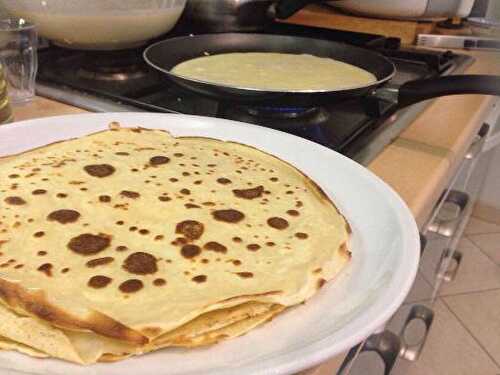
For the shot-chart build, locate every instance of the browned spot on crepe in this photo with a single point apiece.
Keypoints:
(130, 194)
(104, 198)
(89, 244)
(99, 170)
(277, 223)
(64, 216)
(199, 279)
(223, 181)
(15, 201)
(159, 282)
(185, 191)
(131, 286)
(215, 246)
(159, 160)
(190, 251)
(99, 262)
(179, 241)
(140, 263)
(253, 247)
(228, 216)
(252, 193)
(245, 275)
(191, 229)
(99, 281)
(46, 268)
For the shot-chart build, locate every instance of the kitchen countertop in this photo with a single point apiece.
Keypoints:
(42, 107)
(327, 16)
(417, 164)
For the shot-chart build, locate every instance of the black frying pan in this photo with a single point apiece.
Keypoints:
(166, 54)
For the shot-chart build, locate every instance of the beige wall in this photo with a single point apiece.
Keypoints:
(493, 11)
(3, 12)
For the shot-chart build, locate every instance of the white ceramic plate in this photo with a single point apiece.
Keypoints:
(384, 244)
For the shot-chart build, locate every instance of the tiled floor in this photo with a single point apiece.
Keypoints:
(465, 336)
(450, 349)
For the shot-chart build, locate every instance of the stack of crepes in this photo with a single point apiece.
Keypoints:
(131, 240)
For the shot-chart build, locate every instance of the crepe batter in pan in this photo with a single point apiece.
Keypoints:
(274, 71)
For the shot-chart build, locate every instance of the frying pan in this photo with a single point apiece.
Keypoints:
(166, 54)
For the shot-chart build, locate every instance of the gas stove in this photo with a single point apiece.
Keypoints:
(121, 81)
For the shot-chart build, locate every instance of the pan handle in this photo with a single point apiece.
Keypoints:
(416, 91)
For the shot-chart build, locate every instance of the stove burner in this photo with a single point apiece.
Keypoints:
(281, 112)
(118, 66)
(108, 73)
(287, 118)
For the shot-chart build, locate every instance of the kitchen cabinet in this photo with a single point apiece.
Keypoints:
(488, 205)
(404, 338)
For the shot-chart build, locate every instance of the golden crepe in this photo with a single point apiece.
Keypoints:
(274, 71)
(130, 240)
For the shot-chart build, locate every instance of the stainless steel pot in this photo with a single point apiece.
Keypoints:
(238, 15)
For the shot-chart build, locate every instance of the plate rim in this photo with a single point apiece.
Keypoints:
(290, 362)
